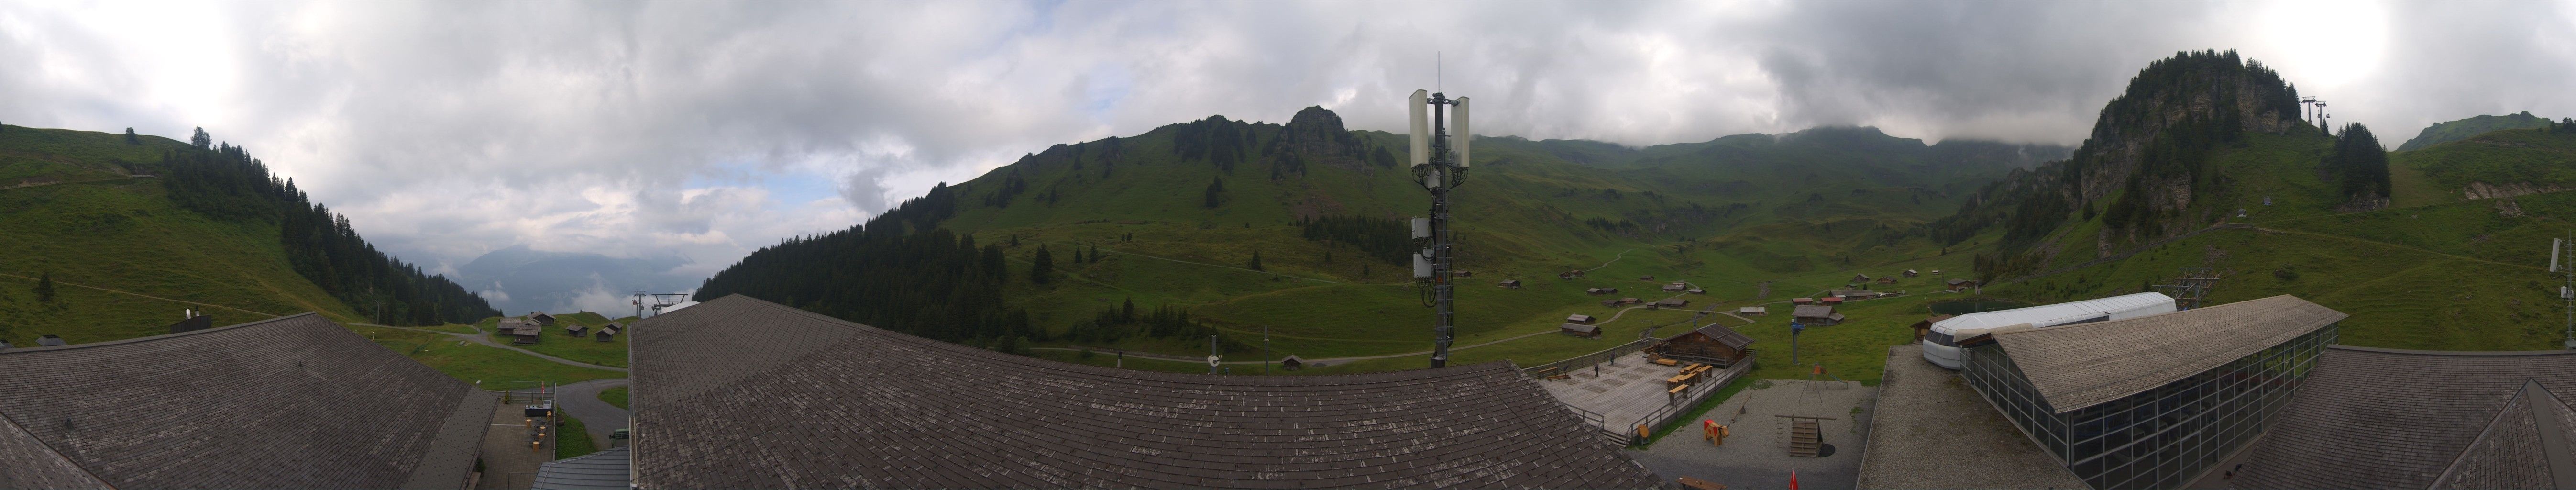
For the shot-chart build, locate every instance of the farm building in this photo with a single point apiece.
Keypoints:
(905, 422)
(1579, 330)
(1753, 310)
(1579, 318)
(1801, 301)
(1675, 287)
(1598, 291)
(1713, 344)
(1608, 303)
(607, 333)
(1887, 279)
(1830, 300)
(1957, 285)
(1292, 363)
(202, 409)
(1815, 315)
(1860, 277)
(1672, 303)
(576, 330)
(1630, 301)
(1856, 294)
(521, 330)
(1912, 273)
(541, 318)
(1925, 326)
(1510, 283)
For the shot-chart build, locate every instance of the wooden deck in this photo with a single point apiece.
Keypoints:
(1633, 389)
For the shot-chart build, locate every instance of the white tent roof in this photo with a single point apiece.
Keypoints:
(2049, 315)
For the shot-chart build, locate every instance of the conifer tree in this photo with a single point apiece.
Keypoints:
(130, 138)
(1255, 264)
(45, 288)
(1041, 267)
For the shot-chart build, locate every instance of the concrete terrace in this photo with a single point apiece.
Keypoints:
(1630, 389)
(1931, 425)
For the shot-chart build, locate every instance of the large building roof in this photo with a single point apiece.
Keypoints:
(2077, 366)
(738, 392)
(604, 470)
(2380, 418)
(2121, 307)
(288, 402)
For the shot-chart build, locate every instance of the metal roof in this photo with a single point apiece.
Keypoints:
(210, 409)
(742, 393)
(2385, 418)
(604, 470)
(2077, 366)
(1811, 311)
(2118, 307)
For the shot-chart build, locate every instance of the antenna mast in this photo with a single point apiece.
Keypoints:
(1439, 163)
(2567, 283)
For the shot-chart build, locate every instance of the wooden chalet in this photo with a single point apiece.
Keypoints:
(576, 330)
(1579, 330)
(1595, 291)
(521, 330)
(1714, 345)
(1830, 300)
(1609, 303)
(1816, 315)
(608, 333)
(1936, 272)
(1887, 279)
(1801, 301)
(1579, 318)
(1675, 287)
(1925, 326)
(1860, 277)
(1510, 283)
(1630, 301)
(1292, 363)
(1957, 285)
(1753, 310)
(1912, 273)
(542, 319)
(1672, 303)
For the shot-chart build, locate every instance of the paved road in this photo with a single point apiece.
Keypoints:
(485, 338)
(581, 401)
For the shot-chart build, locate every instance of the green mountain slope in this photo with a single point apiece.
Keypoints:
(94, 211)
(2445, 132)
(2494, 164)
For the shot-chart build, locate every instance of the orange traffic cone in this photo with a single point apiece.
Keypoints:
(1793, 479)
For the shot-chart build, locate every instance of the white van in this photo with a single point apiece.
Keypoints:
(1941, 345)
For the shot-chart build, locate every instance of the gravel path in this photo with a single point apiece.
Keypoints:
(581, 401)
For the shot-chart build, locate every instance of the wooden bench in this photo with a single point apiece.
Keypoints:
(1677, 389)
(1667, 362)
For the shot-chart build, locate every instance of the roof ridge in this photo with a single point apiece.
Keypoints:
(2498, 353)
(2073, 326)
(2551, 432)
(48, 448)
(58, 348)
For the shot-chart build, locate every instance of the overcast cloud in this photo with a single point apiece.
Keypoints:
(706, 130)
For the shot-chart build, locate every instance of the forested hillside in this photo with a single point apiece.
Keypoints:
(133, 229)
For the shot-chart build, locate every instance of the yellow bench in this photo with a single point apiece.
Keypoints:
(1667, 362)
(1677, 389)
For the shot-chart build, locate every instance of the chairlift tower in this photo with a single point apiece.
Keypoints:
(2192, 287)
(1439, 164)
(656, 301)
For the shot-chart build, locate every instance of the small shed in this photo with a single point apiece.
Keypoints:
(1887, 279)
(1753, 310)
(1609, 303)
(1630, 301)
(607, 333)
(1957, 285)
(1292, 363)
(1672, 303)
(1936, 272)
(1675, 287)
(1925, 326)
(1801, 301)
(1595, 291)
(521, 330)
(542, 318)
(1912, 273)
(1860, 277)
(1510, 283)
(1831, 300)
(1713, 344)
(1816, 315)
(1579, 318)
(1579, 330)
(1697, 291)
(576, 330)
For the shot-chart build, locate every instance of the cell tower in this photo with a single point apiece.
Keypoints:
(1439, 164)
(2566, 285)
(2192, 287)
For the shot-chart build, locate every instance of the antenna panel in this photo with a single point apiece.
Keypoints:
(1421, 109)
(1421, 266)
(1458, 137)
(1422, 227)
(2554, 245)
(1431, 180)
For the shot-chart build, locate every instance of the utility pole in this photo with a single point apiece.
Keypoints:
(1440, 164)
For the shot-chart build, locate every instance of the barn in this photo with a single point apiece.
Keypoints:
(1713, 344)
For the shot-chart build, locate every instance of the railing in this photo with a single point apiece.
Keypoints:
(1596, 357)
(1690, 398)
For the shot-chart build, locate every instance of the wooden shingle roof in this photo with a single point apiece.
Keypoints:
(1728, 336)
(2384, 418)
(288, 402)
(2077, 366)
(1812, 311)
(739, 392)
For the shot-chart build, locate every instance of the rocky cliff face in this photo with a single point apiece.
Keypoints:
(2482, 190)
(1315, 136)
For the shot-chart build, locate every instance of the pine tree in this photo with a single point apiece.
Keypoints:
(1255, 264)
(1042, 267)
(1213, 189)
(130, 138)
(45, 288)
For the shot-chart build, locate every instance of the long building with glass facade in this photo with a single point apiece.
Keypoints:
(2151, 402)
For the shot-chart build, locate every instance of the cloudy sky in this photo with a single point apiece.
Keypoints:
(705, 130)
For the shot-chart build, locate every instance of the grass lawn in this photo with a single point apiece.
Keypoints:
(572, 439)
(475, 363)
(616, 396)
(584, 349)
